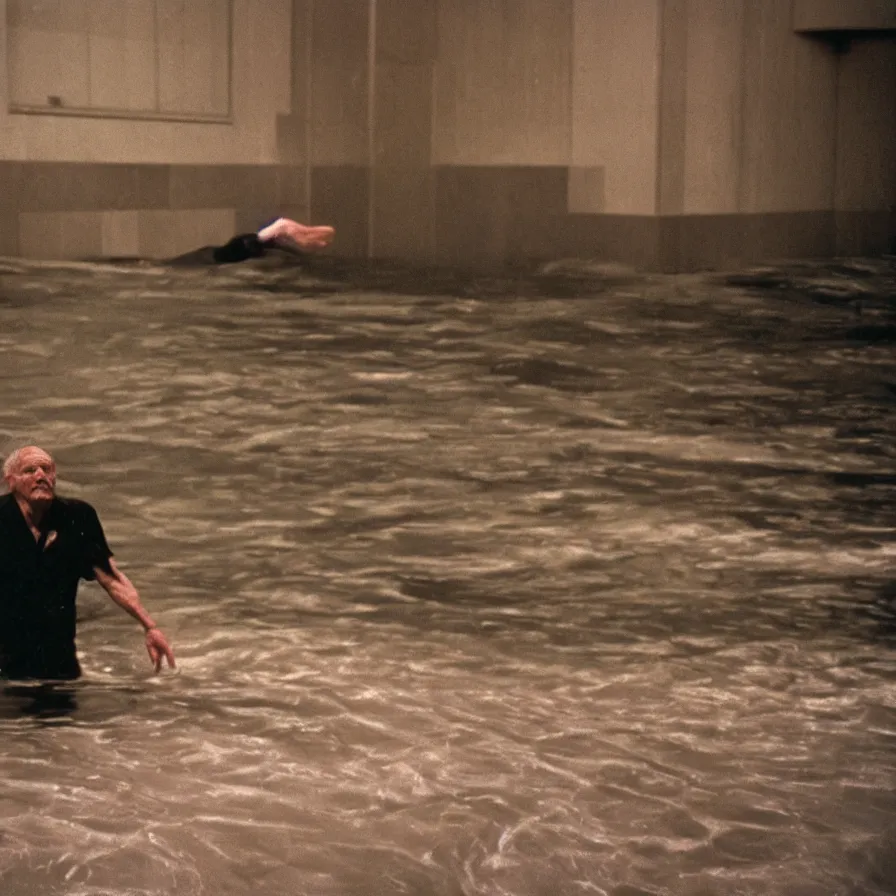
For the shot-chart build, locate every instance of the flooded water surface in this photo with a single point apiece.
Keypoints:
(560, 584)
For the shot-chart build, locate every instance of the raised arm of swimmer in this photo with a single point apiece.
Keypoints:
(121, 589)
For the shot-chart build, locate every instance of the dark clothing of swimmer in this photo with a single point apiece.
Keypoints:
(283, 233)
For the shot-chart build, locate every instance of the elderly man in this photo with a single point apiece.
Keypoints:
(47, 544)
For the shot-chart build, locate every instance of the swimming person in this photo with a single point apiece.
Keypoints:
(282, 233)
(47, 544)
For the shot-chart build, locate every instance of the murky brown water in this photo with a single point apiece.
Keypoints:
(507, 587)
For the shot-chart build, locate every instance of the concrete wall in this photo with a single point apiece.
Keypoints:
(615, 115)
(750, 138)
(789, 115)
(865, 184)
(669, 134)
(834, 15)
(402, 210)
(779, 129)
(701, 133)
(711, 122)
(545, 130)
(261, 73)
(503, 83)
(73, 185)
(501, 127)
(339, 118)
(759, 111)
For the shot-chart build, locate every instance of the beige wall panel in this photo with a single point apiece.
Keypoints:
(48, 63)
(292, 139)
(264, 66)
(193, 70)
(402, 201)
(615, 99)
(49, 15)
(406, 30)
(866, 133)
(120, 233)
(9, 233)
(121, 61)
(340, 196)
(831, 15)
(585, 191)
(403, 215)
(300, 55)
(137, 20)
(261, 73)
(339, 82)
(81, 235)
(790, 113)
(292, 188)
(715, 35)
(133, 65)
(11, 145)
(292, 126)
(402, 134)
(60, 234)
(672, 107)
(165, 233)
(502, 83)
(472, 210)
(40, 235)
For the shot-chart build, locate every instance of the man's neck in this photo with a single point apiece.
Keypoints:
(33, 512)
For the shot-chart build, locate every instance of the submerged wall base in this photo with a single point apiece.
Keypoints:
(470, 217)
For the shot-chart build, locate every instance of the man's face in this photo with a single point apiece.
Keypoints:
(34, 476)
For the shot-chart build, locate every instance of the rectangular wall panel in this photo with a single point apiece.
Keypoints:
(402, 201)
(714, 99)
(789, 115)
(406, 31)
(340, 83)
(834, 15)
(193, 40)
(60, 234)
(48, 67)
(866, 127)
(259, 65)
(122, 54)
(615, 96)
(166, 233)
(502, 94)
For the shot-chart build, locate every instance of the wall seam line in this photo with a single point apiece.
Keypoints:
(371, 123)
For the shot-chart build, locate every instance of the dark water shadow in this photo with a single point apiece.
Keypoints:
(560, 375)
(49, 703)
(877, 615)
(85, 702)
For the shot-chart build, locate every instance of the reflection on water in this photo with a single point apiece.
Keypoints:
(561, 582)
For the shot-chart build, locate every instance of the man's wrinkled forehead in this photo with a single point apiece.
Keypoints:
(34, 456)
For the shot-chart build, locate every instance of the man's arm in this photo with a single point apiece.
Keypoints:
(121, 589)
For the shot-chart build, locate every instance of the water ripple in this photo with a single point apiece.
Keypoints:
(572, 581)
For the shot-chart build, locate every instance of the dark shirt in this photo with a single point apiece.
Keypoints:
(39, 583)
(240, 248)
